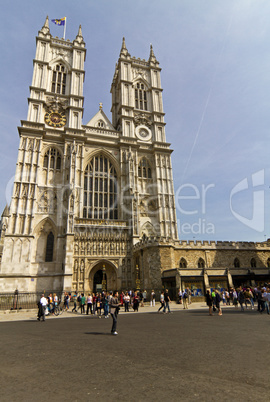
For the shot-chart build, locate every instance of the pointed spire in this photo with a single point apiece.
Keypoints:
(79, 37)
(124, 51)
(45, 30)
(152, 56)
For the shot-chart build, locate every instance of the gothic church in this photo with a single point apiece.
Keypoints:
(93, 205)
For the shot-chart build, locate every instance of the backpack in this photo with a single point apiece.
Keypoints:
(79, 298)
(185, 296)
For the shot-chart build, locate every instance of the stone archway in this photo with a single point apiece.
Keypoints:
(95, 275)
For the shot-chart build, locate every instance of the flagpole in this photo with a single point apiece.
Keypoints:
(65, 28)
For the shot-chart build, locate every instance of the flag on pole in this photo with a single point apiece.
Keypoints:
(59, 21)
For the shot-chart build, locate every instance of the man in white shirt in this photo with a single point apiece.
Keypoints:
(43, 304)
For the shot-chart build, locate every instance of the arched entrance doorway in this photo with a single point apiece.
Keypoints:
(98, 278)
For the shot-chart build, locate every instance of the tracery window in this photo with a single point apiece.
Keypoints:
(201, 263)
(100, 189)
(253, 263)
(52, 159)
(49, 248)
(144, 169)
(236, 263)
(183, 263)
(140, 97)
(59, 79)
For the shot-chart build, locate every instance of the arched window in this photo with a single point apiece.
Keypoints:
(140, 96)
(144, 169)
(52, 159)
(100, 189)
(183, 263)
(268, 263)
(236, 263)
(59, 79)
(49, 248)
(201, 263)
(253, 263)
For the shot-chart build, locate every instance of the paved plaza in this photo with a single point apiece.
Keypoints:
(184, 356)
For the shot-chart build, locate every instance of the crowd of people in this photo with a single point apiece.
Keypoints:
(243, 297)
(100, 303)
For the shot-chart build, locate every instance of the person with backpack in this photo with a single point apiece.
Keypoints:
(185, 300)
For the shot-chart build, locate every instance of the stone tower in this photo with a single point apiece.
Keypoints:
(137, 113)
(92, 205)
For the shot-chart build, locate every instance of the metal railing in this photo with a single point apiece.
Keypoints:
(23, 300)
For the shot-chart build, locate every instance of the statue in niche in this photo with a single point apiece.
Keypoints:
(76, 247)
(75, 271)
(82, 270)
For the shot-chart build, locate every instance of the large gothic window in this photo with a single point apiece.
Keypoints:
(144, 169)
(140, 97)
(49, 247)
(59, 79)
(52, 159)
(100, 189)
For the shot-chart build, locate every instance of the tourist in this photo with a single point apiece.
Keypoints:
(241, 298)
(75, 302)
(42, 308)
(136, 302)
(82, 303)
(126, 301)
(161, 299)
(114, 305)
(235, 298)
(180, 294)
(89, 302)
(152, 299)
(167, 301)
(185, 300)
(218, 300)
(105, 302)
(209, 301)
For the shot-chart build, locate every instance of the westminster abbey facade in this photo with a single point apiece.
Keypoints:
(93, 205)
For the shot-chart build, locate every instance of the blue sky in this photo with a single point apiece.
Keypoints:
(215, 60)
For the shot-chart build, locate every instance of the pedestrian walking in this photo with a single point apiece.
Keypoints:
(167, 301)
(161, 301)
(42, 308)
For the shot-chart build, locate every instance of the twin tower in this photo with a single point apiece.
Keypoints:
(93, 205)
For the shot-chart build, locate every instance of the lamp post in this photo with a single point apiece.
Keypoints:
(138, 282)
(104, 282)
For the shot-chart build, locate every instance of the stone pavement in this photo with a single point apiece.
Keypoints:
(184, 356)
(25, 315)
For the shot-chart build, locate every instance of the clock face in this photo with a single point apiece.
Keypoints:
(55, 119)
(143, 133)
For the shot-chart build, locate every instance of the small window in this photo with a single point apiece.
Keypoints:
(100, 124)
(253, 263)
(236, 263)
(183, 263)
(201, 263)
